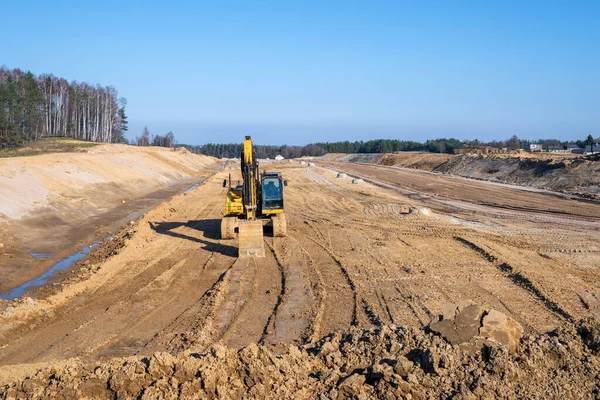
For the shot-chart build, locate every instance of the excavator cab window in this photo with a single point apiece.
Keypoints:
(272, 194)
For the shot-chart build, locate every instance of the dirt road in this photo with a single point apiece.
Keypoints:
(354, 256)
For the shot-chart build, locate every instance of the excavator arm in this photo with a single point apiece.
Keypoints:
(250, 230)
(250, 178)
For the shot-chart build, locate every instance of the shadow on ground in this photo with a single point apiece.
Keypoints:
(210, 228)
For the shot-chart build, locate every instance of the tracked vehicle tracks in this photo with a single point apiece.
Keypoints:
(352, 257)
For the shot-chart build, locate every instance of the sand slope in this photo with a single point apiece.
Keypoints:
(52, 202)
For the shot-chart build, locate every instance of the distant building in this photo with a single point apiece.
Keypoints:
(278, 157)
(590, 150)
(557, 149)
(534, 147)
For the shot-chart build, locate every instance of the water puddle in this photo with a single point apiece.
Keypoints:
(135, 209)
(191, 188)
(41, 256)
(45, 277)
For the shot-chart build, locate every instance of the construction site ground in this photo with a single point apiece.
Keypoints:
(391, 249)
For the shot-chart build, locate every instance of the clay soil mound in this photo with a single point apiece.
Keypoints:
(384, 362)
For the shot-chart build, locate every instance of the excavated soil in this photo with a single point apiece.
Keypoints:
(566, 173)
(385, 362)
(353, 303)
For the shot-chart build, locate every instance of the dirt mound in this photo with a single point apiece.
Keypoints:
(568, 174)
(417, 160)
(473, 327)
(386, 362)
(565, 173)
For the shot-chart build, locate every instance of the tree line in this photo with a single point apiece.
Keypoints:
(515, 143)
(33, 107)
(233, 150)
(391, 145)
(443, 145)
(147, 139)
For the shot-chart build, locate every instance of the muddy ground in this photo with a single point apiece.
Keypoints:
(385, 255)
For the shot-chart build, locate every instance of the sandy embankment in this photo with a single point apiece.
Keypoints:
(566, 173)
(53, 204)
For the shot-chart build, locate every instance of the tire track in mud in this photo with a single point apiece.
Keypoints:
(347, 278)
(373, 209)
(421, 312)
(319, 290)
(181, 269)
(192, 324)
(383, 303)
(163, 308)
(248, 317)
(519, 280)
(293, 314)
(241, 286)
(358, 299)
(416, 307)
(270, 326)
(334, 311)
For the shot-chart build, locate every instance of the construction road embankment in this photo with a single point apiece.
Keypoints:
(53, 205)
(559, 172)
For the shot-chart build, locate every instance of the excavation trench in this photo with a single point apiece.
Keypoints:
(47, 257)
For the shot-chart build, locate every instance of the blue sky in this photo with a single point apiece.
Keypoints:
(299, 72)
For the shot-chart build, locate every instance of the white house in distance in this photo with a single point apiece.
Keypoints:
(278, 157)
(534, 147)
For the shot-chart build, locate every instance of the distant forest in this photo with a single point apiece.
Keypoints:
(234, 150)
(33, 107)
(318, 149)
(372, 146)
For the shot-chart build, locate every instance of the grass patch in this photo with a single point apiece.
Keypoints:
(48, 145)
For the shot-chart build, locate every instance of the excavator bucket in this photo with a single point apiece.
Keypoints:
(251, 239)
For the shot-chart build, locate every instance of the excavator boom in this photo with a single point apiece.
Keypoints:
(250, 230)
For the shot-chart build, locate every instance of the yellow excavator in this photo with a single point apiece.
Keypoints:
(253, 204)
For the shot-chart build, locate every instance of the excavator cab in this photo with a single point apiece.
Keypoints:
(272, 192)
